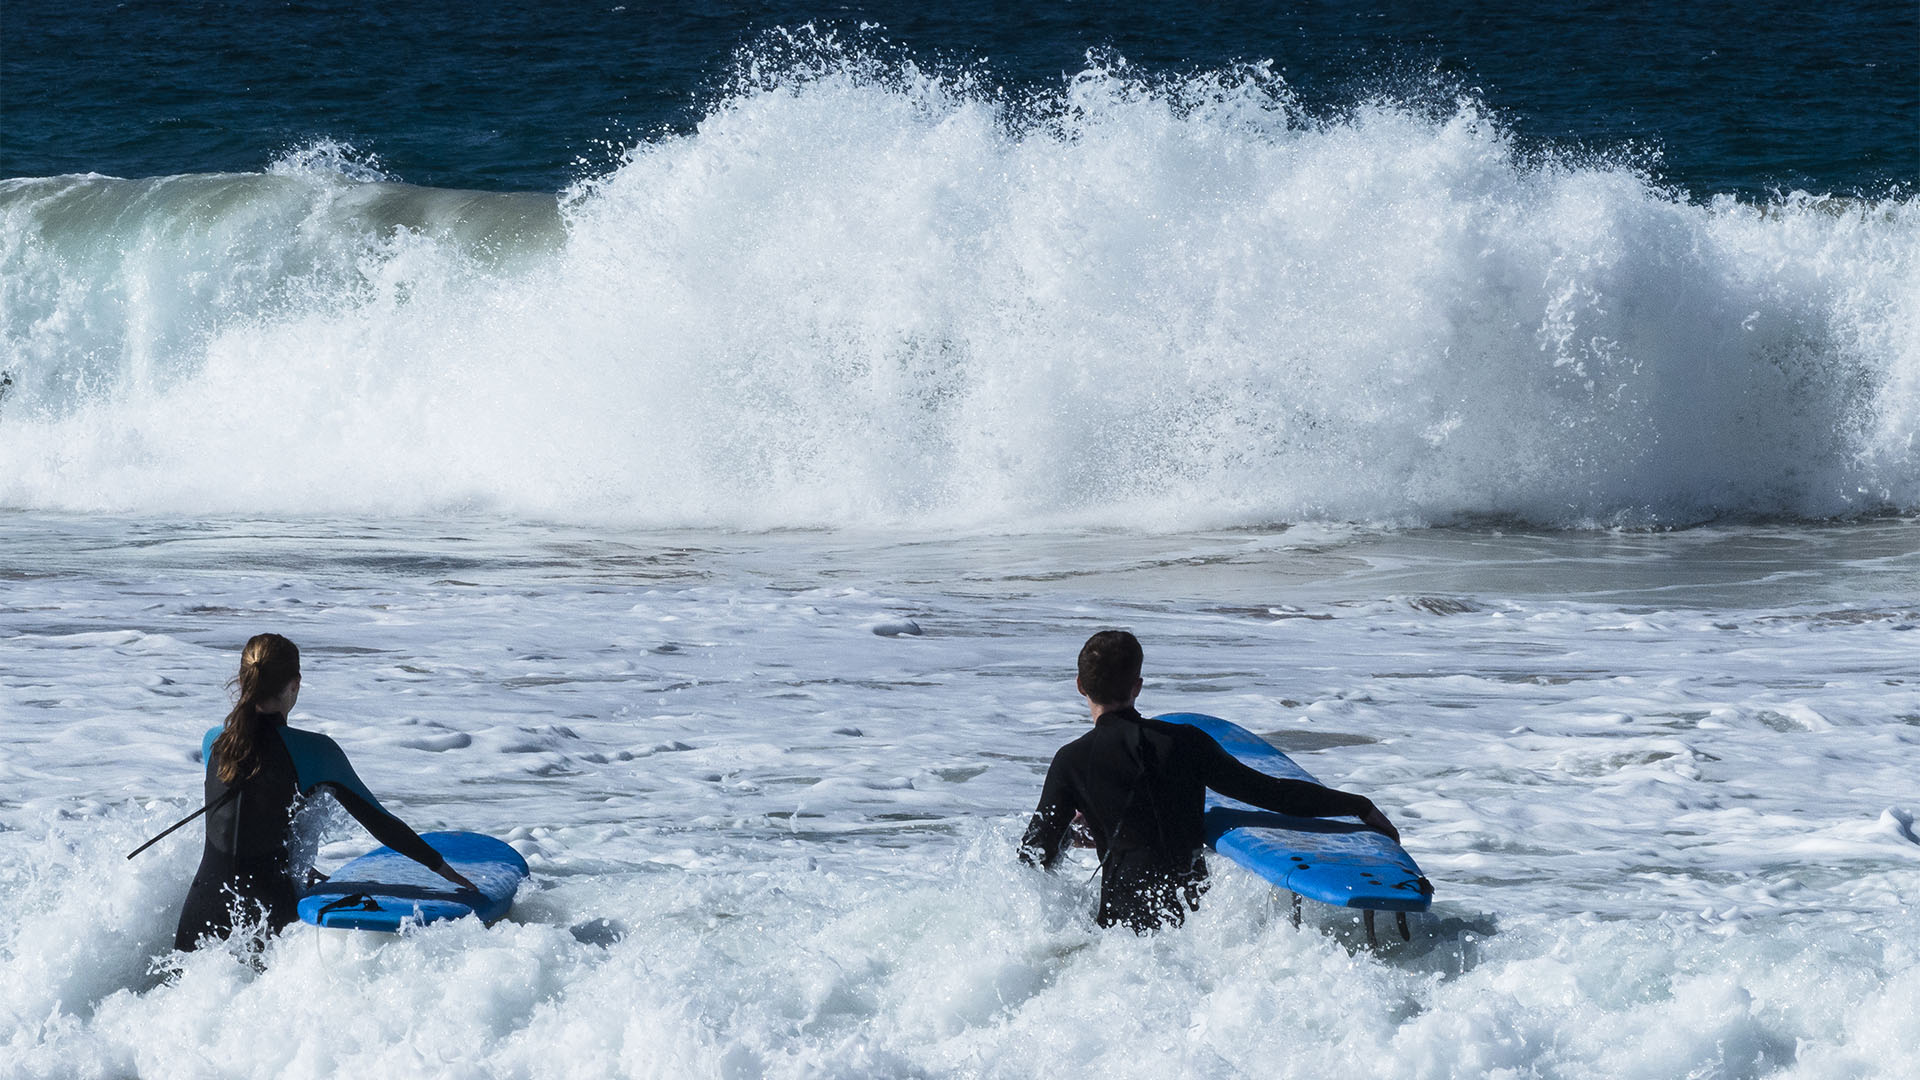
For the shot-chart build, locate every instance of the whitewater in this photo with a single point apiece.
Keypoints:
(849, 299)
(721, 530)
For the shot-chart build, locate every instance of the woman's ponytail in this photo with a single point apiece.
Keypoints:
(268, 665)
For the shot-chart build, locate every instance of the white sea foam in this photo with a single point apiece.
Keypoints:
(860, 296)
(1663, 783)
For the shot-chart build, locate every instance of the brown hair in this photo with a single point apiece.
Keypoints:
(1109, 666)
(268, 665)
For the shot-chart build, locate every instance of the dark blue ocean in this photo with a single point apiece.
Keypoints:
(1747, 97)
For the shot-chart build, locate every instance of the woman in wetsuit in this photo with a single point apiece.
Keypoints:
(258, 770)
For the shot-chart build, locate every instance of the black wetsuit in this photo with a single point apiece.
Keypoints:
(1141, 785)
(249, 825)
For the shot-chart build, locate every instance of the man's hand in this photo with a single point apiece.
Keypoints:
(1082, 835)
(1377, 821)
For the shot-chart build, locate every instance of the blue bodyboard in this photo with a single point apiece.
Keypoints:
(383, 888)
(1334, 861)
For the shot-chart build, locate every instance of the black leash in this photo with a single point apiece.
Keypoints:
(168, 831)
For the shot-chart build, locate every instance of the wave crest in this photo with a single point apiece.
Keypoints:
(860, 293)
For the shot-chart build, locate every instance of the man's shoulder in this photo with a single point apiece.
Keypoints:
(1185, 735)
(1079, 744)
(1082, 747)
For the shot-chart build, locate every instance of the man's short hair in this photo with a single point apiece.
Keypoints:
(1109, 667)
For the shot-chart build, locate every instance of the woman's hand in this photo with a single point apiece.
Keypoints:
(447, 871)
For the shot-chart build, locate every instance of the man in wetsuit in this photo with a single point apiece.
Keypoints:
(1140, 785)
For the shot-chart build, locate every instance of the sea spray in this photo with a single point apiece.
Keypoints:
(860, 294)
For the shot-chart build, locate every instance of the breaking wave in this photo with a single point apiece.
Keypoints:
(861, 294)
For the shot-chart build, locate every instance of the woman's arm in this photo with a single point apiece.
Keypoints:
(319, 763)
(393, 832)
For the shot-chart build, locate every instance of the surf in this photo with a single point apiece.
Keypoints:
(861, 294)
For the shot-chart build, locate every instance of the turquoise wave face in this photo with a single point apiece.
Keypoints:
(850, 298)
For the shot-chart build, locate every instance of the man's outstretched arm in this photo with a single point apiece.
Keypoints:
(1236, 779)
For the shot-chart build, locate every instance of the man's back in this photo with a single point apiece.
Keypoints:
(1138, 783)
(1141, 786)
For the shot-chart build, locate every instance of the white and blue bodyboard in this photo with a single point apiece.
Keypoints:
(383, 888)
(1334, 861)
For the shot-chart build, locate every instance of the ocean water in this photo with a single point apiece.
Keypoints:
(1752, 97)
(770, 785)
(693, 445)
